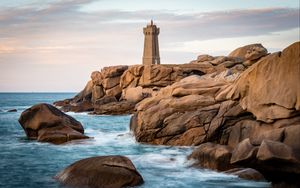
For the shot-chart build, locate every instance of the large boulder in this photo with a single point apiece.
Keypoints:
(46, 123)
(249, 52)
(270, 88)
(134, 94)
(101, 172)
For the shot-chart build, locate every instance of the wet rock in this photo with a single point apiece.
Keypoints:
(12, 110)
(246, 173)
(102, 171)
(59, 135)
(282, 184)
(279, 164)
(291, 134)
(46, 123)
(212, 156)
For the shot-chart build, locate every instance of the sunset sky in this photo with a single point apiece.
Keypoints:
(54, 45)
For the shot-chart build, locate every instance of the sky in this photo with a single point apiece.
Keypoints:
(54, 45)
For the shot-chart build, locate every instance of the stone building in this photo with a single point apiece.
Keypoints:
(151, 49)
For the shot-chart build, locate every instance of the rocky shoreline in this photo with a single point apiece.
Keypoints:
(242, 111)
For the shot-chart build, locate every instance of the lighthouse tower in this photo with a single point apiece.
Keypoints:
(151, 49)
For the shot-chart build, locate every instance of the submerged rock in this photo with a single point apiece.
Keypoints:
(46, 123)
(12, 110)
(101, 172)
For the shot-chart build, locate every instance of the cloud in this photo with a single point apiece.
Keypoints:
(67, 16)
(62, 26)
(58, 37)
(274, 42)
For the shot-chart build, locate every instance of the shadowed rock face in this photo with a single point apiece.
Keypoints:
(212, 156)
(46, 123)
(246, 173)
(101, 172)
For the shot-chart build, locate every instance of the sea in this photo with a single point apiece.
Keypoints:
(29, 164)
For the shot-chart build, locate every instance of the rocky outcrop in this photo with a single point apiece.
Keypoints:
(214, 109)
(270, 89)
(251, 112)
(116, 90)
(45, 123)
(182, 114)
(102, 171)
(246, 105)
(131, 84)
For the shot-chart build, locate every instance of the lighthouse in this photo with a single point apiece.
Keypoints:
(151, 48)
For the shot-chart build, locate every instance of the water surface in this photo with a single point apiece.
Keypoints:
(25, 163)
